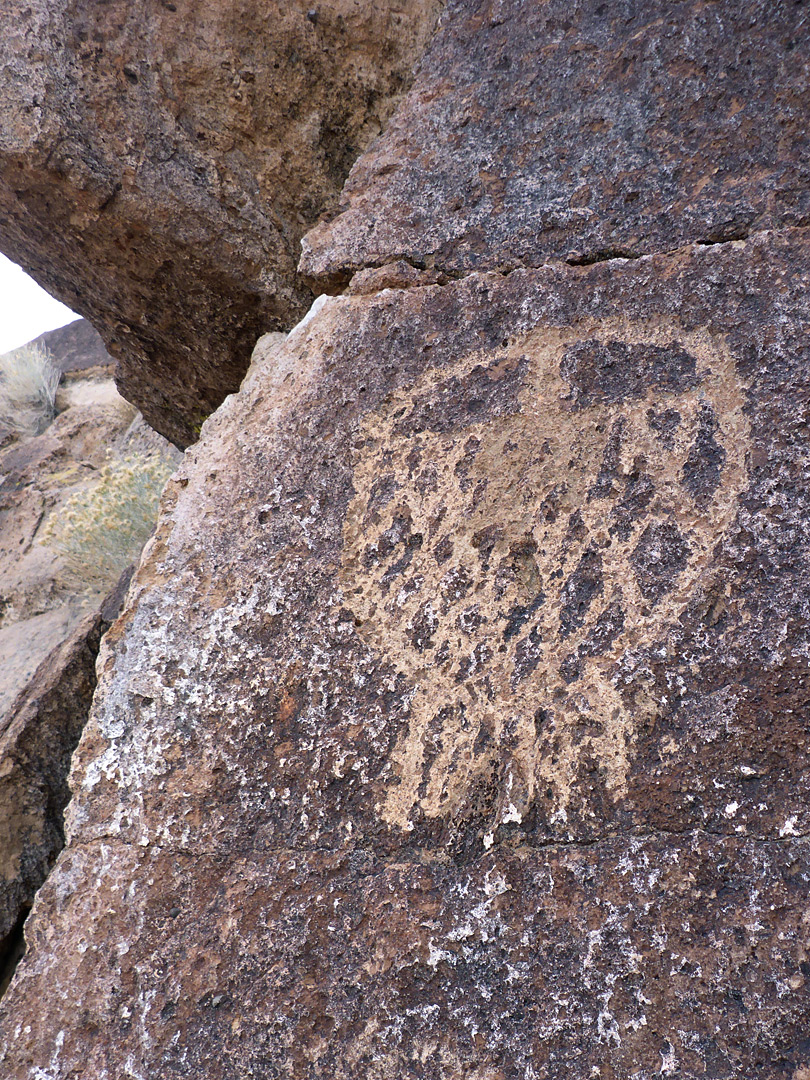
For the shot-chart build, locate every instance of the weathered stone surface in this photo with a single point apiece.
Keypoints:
(37, 737)
(50, 623)
(38, 607)
(75, 347)
(581, 130)
(457, 722)
(158, 167)
(647, 961)
(456, 725)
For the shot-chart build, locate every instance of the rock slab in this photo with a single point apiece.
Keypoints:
(576, 130)
(456, 724)
(75, 347)
(39, 734)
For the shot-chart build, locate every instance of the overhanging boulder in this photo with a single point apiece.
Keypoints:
(159, 165)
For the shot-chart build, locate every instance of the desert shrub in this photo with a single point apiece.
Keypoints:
(28, 382)
(101, 529)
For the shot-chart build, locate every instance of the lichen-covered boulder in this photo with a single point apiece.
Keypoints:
(456, 723)
(159, 165)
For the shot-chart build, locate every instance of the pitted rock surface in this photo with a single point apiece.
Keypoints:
(578, 130)
(51, 621)
(456, 724)
(645, 958)
(159, 165)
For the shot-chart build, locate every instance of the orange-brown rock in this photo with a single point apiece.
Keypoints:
(159, 165)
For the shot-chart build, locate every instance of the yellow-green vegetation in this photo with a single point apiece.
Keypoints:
(28, 382)
(101, 529)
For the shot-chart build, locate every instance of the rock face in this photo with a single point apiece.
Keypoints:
(37, 737)
(439, 737)
(38, 608)
(50, 624)
(75, 347)
(456, 725)
(157, 169)
(581, 131)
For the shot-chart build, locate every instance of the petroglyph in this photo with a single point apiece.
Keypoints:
(520, 523)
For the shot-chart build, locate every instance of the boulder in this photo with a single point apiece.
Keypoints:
(579, 131)
(39, 606)
(75, 347)
(41, 602)
(158, 168)
(38, 734)
(50, 622)
(37, 737)
(455, 725)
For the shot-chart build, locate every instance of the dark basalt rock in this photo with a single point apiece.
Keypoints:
(159, 166)
(580, 131)
(341, 808)
(37, 737)
(75, 347)
(456, 726)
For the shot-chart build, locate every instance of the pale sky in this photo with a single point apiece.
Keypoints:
(26, 310)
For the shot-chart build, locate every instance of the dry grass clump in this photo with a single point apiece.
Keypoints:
(101, 529)
(28, 382)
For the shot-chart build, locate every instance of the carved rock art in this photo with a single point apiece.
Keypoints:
(456, 725)
(520, 523)
(293, 846)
